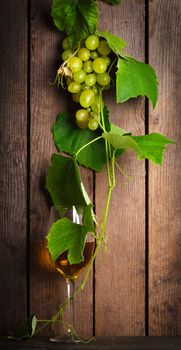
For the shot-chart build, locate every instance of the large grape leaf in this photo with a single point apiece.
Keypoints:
(69, 138)
(153, 146)
(134, 78)
(88, 219)
(106, 118)
(77, 18)
(63, 182)
(65, 235)
(116, 44)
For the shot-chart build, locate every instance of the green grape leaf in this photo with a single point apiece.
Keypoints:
(89, 219)
(64, 183)
(69, 138)
(134, 78)
(153, 146)
(77, 18)
(26, 331)
(113, 2)
(64, 235)
(119, 141)
(117, 130)
(106, 118)
(116, 44)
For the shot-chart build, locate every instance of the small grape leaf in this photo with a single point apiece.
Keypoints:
(65, 235)
(134, 78)
(116, 44)
(77, 18)
(119, 141)
(117, 130)
(153, 146)
(26, 331)
(69, 138)
(113, 2)
(63, 182)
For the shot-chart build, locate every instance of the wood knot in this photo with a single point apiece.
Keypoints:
(156, 119)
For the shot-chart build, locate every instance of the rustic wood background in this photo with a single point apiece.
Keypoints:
(135, 288)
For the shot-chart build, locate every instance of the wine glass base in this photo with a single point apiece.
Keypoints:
(64, 339)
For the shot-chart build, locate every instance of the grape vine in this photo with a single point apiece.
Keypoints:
(92, 61)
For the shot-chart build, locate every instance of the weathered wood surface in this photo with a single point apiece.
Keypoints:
(47, 287)
(13, 115)
(115, 343)
(165, 182)
(119, 273)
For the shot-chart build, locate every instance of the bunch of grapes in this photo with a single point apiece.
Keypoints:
(89, 75)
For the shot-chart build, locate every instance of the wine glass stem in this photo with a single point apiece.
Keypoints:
(70, 305)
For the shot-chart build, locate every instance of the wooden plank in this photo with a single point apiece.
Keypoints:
(165, 182)
(115, 343)
(120, 272)
(47, 287)
(13, 68)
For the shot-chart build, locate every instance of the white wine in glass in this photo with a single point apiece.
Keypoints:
(71, 272)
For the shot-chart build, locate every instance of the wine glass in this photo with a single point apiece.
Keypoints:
(70, 272)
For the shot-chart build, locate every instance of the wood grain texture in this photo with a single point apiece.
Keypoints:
(120, 272)
(48, 289)
(165, 182)
(13, 104)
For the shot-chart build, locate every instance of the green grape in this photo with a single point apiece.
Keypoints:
(75, 64)
(67, 54)
(95, 106)
(76, 97)
(82, 124)
(104, 48)
(87, 98)
(84, 54)
(66, 44)
(107, 87)
(87, 66)
(103, 79)
(82, 118)
(85, 87)
(90, 79)
(99, 65)
(74, 87)
(92, 42)
(94, 54)
(93, 124)
(107, 59)
(82, 114)
(95, 90)
(79, 77)
(95, 115)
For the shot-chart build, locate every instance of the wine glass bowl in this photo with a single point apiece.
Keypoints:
(70, 272)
